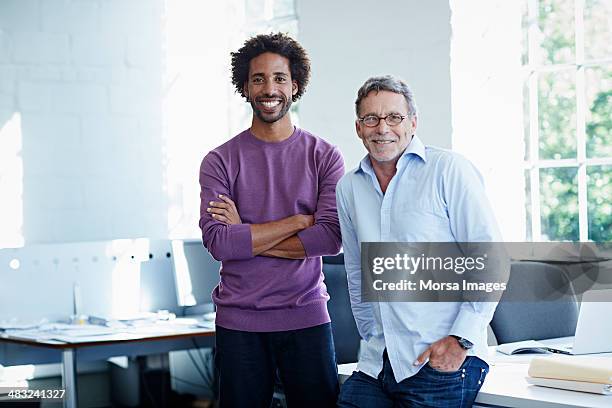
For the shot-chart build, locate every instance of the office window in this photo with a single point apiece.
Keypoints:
(200, 108)
(567, 99)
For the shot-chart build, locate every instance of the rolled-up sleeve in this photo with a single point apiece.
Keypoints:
(224, 242)
(324, 238)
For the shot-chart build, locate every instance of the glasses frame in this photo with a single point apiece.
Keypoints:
(379, 118)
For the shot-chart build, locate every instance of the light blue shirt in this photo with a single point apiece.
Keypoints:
(435, 196)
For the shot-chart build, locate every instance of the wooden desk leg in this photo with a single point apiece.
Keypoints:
(69, 378)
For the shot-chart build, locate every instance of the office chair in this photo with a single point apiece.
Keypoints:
(518, 320)
(346, 336)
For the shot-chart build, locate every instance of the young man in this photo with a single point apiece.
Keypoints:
(416, 354)
(268, 212)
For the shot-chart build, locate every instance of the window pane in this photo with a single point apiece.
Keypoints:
(255, 10)
(599, 113)
(283, 8)
(599, 192)
(525, 33)
(528, 209)
(556, 22)
(557, 114)
(597, 29)
(559, 204)
(526, 120)
(288, 27)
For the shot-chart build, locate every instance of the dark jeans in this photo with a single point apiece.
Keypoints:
(305, 360)
(427, 388)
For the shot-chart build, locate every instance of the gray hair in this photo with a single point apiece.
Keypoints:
(386, 83)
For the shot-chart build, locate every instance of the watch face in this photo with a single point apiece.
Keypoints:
(466, 344)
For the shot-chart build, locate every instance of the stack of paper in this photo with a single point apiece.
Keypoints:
(586, 374)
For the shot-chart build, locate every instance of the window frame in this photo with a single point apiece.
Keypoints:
(533, 164)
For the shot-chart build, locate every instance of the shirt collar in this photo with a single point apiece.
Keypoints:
(415, 147)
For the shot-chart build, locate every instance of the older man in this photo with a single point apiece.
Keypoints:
(415, 353)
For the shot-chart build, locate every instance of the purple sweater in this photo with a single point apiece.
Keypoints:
(268, 182)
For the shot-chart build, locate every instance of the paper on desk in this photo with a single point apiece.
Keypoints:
(86, 331)
(160, 329)
(98, 338)
(34, 335)
(18, 326)
(179, 321)
(582, 386)
(205, 324)
(573, 368)
(60, 331)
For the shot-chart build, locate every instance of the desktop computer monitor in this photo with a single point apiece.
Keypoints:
(196, 274)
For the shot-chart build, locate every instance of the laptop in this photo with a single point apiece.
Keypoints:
(594, 328)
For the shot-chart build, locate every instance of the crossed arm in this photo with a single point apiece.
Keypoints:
(275, 239)
(295, 237)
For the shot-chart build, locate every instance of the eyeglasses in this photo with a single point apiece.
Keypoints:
(392, 119)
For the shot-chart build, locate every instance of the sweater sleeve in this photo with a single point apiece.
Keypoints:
(224, 242)
(324, 238)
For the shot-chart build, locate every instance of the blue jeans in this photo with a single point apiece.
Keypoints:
(427, 388)
(248, 362)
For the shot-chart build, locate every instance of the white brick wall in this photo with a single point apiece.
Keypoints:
(39, 48)
(78, 98)
(98, 49)
(6, 101)
(85, 76)
(19, 15)
(73, 17)
(4, 47)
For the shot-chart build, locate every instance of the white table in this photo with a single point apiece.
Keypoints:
(15, 351)
(505, 386)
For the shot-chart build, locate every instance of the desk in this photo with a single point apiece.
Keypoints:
(16, 351)
(505, 386)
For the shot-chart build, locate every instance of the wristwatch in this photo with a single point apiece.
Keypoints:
(464, 343)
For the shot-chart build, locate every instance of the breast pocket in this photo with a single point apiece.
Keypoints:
(422, 220)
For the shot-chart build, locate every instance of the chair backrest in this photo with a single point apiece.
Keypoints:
(519, 320)
(346, 336)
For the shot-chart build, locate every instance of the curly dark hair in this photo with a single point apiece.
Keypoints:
(279, 43)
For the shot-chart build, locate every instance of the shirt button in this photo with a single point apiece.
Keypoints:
(462, 375)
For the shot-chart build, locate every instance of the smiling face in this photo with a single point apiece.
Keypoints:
(269, 87)
(385, 143)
